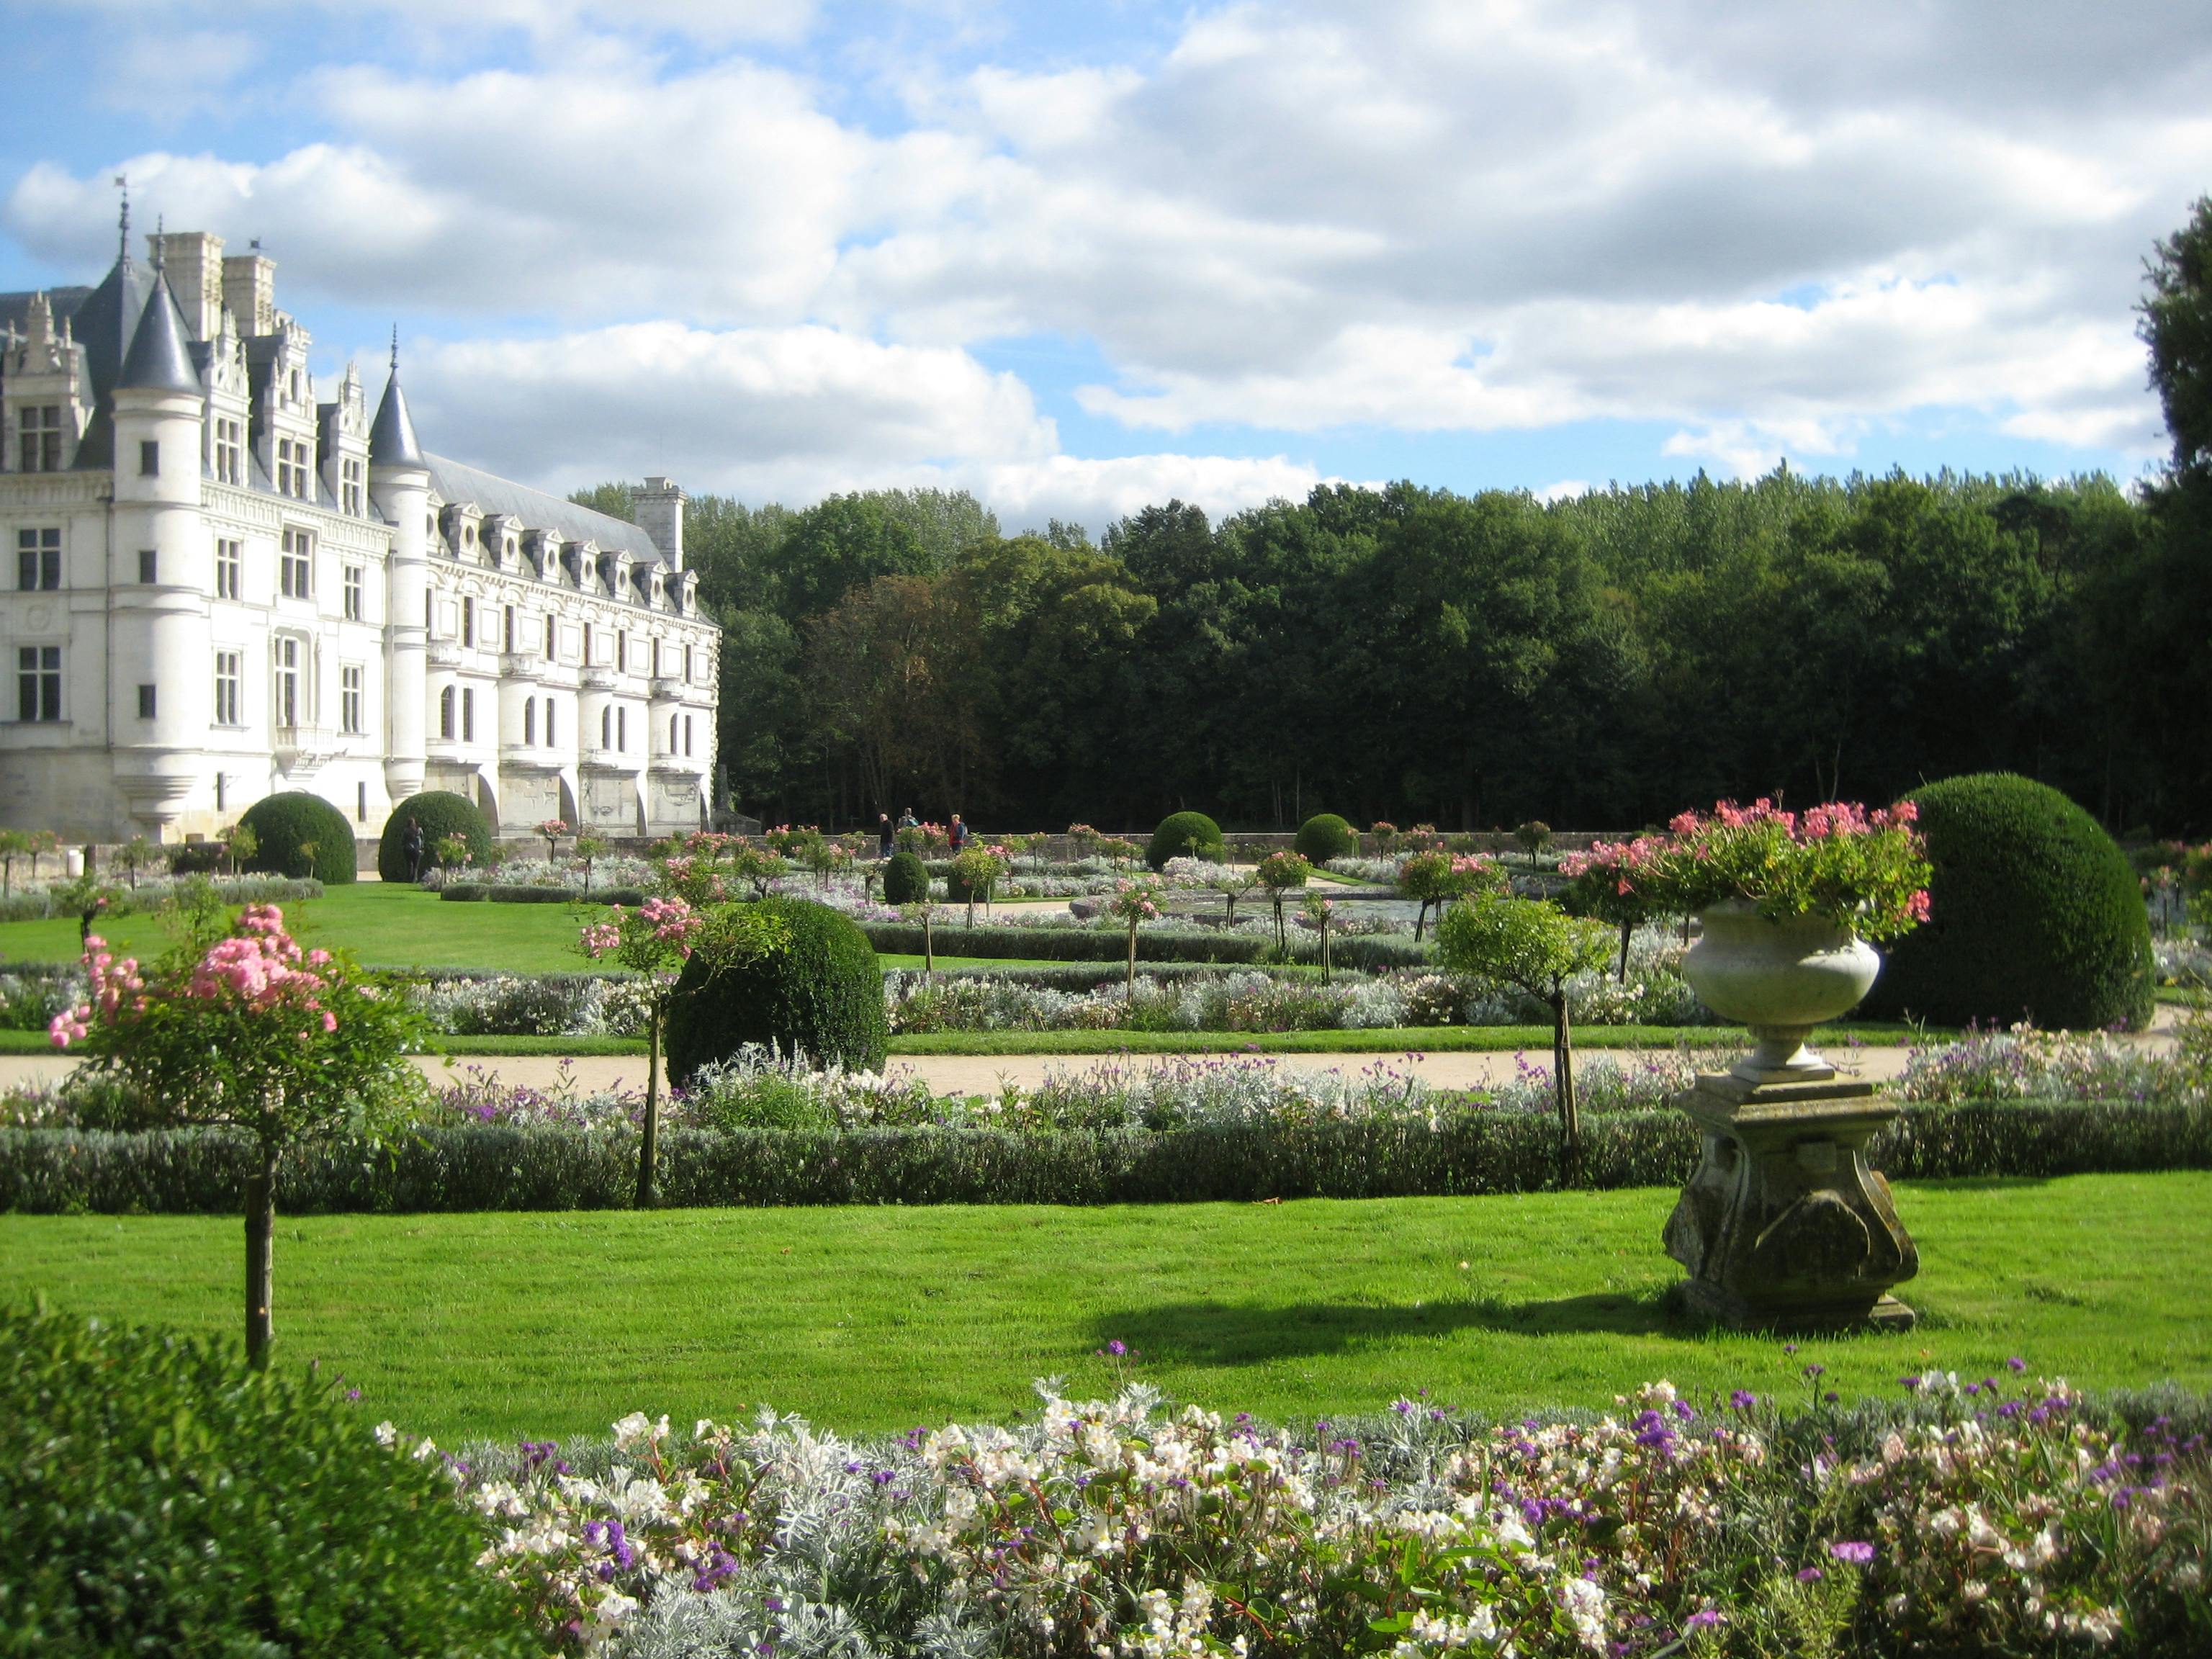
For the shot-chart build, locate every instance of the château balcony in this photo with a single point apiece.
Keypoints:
(521, 664)
(596, 759)
(301, 751)
(445, 653)
(667, 687)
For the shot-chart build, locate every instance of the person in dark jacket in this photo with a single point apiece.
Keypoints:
(957, 836)
(886, 840)
(410, 844)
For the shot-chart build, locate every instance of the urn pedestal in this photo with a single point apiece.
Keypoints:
(1784, 1226)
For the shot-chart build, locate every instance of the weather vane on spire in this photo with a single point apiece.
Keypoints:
(395, 348)
(123, 219)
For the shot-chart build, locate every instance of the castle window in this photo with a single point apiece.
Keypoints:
(550, 737)
(606, 728)
(468, 715)
(145, 702)
(675, 724)
(37, 559)
(550, 642)
(446, 713)
(353, 491)
(229, 678)
(149, 567)
(687, 734)
(656, 659)
(38, 683)
(622, 651)
(530, 720)
(350, 700)
(296, 566)
(687, 664)
(150, 460)
(288, 681)
(41, 438)
(468, 620)
(622, 730)
(506, 629)
(294, 467)
(360, 803)
(230, 567)
(229, 452)
(354, 591)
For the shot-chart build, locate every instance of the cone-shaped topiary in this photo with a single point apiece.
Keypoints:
(441, 813)
(297, 834)
(2033, 913)
(906, 880)
(1325, 837)
(821, 994)
(1184, 835)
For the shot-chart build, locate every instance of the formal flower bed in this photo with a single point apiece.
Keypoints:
(1987, 1516)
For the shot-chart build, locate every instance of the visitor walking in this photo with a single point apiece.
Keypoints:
(957, 836)
(907, 821)
(886, 842)
(410, 844)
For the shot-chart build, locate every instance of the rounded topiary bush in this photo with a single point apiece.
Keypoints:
(820, 994)
(166, 1499)
(906, 880)
(1184, 835)
(2033, 913)
(441, 813)
(286, 826)
(1325, 837)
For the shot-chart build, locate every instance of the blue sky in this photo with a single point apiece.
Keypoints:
(1080, 257)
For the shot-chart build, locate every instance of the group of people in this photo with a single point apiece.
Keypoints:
(956, 833)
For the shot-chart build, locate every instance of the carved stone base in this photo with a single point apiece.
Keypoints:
(1784, 1226)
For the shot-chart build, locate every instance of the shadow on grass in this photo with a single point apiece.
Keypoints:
(1242, 1333)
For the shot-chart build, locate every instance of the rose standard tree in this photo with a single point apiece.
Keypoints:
(243, 1029)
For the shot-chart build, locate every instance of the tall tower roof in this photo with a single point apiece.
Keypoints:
(392, 439)
(158, 361)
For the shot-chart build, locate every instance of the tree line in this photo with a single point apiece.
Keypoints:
(1478, 660)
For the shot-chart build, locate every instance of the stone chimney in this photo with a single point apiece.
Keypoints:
(249, 288)
(194, 262)
(659, 509)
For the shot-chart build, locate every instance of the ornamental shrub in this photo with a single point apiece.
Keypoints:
(165, 1499)
(284, 826)
(1183, 835)
(2033, 913)
(819, 994)
(441, 813)
(1325, 837)
(906, 880)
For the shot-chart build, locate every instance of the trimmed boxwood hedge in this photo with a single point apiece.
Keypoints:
(1184, 835)
(163, 1499)
(1099, 945)
(821, 995)
(906, 880)
(486, 1167)
(2034, 913)
(493, 892)
(441, 813)
(1325, 837)
(283, 824)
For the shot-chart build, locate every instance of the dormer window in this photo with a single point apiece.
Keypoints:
(295, 385)
(229, 452)
(41, 437)
(295, 466)
(353, 485)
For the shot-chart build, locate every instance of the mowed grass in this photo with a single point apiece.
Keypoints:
(864, 1318)
(390, 927)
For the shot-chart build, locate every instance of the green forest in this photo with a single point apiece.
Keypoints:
(1477, 660)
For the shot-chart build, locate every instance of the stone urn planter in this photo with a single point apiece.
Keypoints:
(1781, 979)
(1785, 1226)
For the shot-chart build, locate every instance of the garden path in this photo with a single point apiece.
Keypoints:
(987, 1074)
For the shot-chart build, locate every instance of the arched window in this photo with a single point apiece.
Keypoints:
(606, 728)
(674, 721)
(622, 730)
(550, 737)
(445, 713)
(530, 720)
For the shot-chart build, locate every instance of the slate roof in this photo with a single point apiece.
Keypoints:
(455, 481)
(157, 360)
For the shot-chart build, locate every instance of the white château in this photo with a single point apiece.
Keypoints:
(224, 589)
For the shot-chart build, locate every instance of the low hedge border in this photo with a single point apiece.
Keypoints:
(1103, 944)
(483, 1167)
(480, 892)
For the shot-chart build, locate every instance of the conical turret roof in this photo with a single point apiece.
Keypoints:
(392, 438)
(158, 361)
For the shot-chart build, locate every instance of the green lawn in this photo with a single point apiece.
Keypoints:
(873, 1318)
(393, 928)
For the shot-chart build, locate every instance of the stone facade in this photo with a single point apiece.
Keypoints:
(222, 588)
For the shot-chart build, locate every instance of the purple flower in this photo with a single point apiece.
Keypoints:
(1117, 1347)
(1810, 1575)
(1852, 1552)
(2016, 1365)
(1703, 1619)
(1743, 1400)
